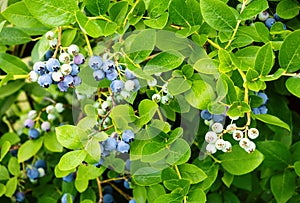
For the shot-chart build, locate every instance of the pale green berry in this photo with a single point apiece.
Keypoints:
(208, 122)
(50, 109)
(53, 43)
(106, 105)
(125, 94)
(231, 127)
(211, 137)
(59, 107)
(165, 100)
(220, 144)
(217, 127)
(129, 85)
(244, 143)
(49, 35)
(253, 133)
(156, 98)
(228, 147)
(152, 82)
(33, 76)
(51, 117)
(211, 148)
(165, 88)
(41, 172)
(237, 135)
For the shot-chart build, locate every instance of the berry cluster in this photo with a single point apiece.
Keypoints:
(63, 72)
(214, 137)
(262, 109)
(36, 171)
(33, 120)
(269, 21)
(163, 96)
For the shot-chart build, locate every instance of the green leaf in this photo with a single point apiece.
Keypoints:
(238, 109)
(147, 109)
(13, 36)
(29, 148)
(153, 152)
(14, 166)
(53, 13)
(211, 170)
(192, 173)
(254, 8)
(93, 149)
(117, 11)
(163, 62)
(2, 189)
(274, 76)
(200, 94)
(283, 185)
(12, 64)
(13, 138)
(51, 142)
(289, 53)
(2, 25)
(174, 184)
(227, 179)
(59, 173)
(39, 50)
(154, 191)
(19, 15)
(121, 116)
(231, 97)
(147, 176)
(277, 155)
(97, 7)
(226, 64)
(159, 22)
(297, 167)
(157, 8)
(172, 198)
(246, 57)
(89, 172)
(140, 194)
(178, 85)
(68, 37)
(4, 175)
(293, 85)
(273, 120)
(179, 152)
(71, 137)
(196, 196)
(4, 149)
(264, 60)
(11, 186)
(239, 162)
(87, 25)
(288, 9)
(207, 66)
(218, 15)
(259, 32)
(71, 160)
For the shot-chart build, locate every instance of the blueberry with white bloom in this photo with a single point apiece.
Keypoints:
(68, 80)
(77, 80)
(112, 75)
(48, 54)
(45, 80)
(269, 22)
(108, 66)
(244, 143)
(264, 97)
(32, 114)
(125, 94)
(127, 136)
(126, 184)
(32, 173)
(256, 111)
(99, 75)
(117, 86)
(129, 85)
(67, 197)
(53, 43)
(211, 148)
(95, 62)
(110, 144)
(263, 109)
(251, 148)
(51, 117)
(263, 16)
(137, 85)
(40, 164)
(129, 74)
(108, 198)
(219, 118)
(50, 109)
(165, 100)
(59, 107)
(73, 49)
(205, 115)
(39, 67)
(152, 82)
(52, 65)
(62, 86)
(123, 147)
(75, 69)
(220, 144)
(228, 147)
(231, 127)
(80, 59)
(33, 133)
(132, 201)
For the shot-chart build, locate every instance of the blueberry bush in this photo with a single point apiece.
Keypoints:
(158, 101)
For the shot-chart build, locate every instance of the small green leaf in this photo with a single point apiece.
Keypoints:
(283, 185)
(121, 116)
(293, 85)
(147, 109)
(159, 22)
(178, 85)
(157, 7)
(174, 184)
(71, 137)
(238, 109)
(192, 173)
(97, 7)
(2, 189)
(13, 138)
(71, 160)
(297, 167)
(179, 152)
(4, 175)
(254, 8)
(93, 149)
(117, 11)
(273, 120)
(11, 186)
(51, 142)
(218, 15)
(153, 152)
(288, 9)
(172, 197)
(68, 36)
(147, 176)
(87, 25)
(13, 36)
(140, 193)
(14, 166)
(196, 196)
(239, 162)
(264, 59)
(154, 191)
(29, 149)
(4, 149)
(207, 66)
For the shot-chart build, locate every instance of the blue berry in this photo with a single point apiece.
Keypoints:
(33, 133)
(256, 111)
(126, 184)
(128, 135)
(45, 80)
(108, 198)
(20, 196)
(69, 178)
(48, 54)
(132, 201)
(39, 67)
(99, 163)
(277, 17)
(75, 69)
(76, 80)
(66, 198)
(117, 86)
(264, 97)
(137, 85)
(40, 164)
(269, 22)
(29, 123)
(32, 173)
(95, 62)
(98, 75)
(205, 115)
(112, 75)
(79, 59)
(123, 147)
(52, 65)
(14, 152)
(218, 118)
(62, 86)
(110, 144)
(129, 74)
(263, 109)
(127, 164)
(68, 80)
(107, 189)
(109, 66)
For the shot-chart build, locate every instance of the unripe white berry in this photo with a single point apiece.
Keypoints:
(251, 148)
(217, 127)
(244, 143)
(73, 49)
(231, 127)
(64, 58)
(125, 94)
(156, 98)
(228, 147)
(165, 100)
(165, 88)
(49, 35)
(41, 172)
(211, 137)
(129, 85)
(208, 122)
(220, 144)
(51, 117)
(32, 114)
(106, 105)
(57, 76)
(263, 16)
(152, 82)
(211, 148)
(59, 107)
(53, 43)
(237, 135)
(66, 69)
(234, 118)
(253, 133)
(101, 112)
(50, 109)
(33, 76)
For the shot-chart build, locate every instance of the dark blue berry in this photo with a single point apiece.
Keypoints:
(69, 178)
(32, 173)
(110, 144)
(269, 22)
(112, 75)
(109, 66)
(39, 67)
(108, 198)
(98, 75)
(128, 135)
(48, 55)
(205, 115)
(20, 196)
(107, 189)
(45, 80)
(40, 164)
(33, 133)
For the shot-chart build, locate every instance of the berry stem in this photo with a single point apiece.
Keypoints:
(179, 176)
(100, 190)
(112, 179)
(215, 159)
(130, 12)
(246, 96)
(14, 77)
(213, 44)
(126, 196)
(58, 42)
(90, 51)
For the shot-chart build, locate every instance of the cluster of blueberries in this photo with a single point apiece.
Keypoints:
(165, 98)
(106, 68)
(63, 72)
(262, 109)
(33, 120)
(269, 21)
